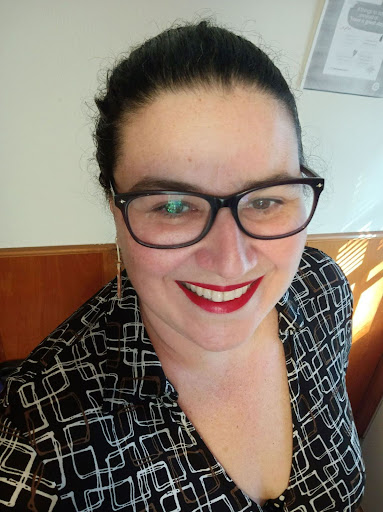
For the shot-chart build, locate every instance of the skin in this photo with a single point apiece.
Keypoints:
(219, 142)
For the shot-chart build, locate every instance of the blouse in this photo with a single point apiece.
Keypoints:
(89, 421)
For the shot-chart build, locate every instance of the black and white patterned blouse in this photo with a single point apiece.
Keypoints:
(90, 423)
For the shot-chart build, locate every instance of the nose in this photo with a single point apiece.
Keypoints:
(226, 250)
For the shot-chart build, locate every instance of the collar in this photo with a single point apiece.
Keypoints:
(133, 371)
(290, 316)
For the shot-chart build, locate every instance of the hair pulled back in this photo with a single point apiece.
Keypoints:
(181, 58)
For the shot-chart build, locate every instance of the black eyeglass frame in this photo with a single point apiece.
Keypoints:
(122, 202)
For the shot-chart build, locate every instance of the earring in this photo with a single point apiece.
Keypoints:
(118, 270)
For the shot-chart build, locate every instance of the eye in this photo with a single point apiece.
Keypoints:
(264, 203)
(173, 207)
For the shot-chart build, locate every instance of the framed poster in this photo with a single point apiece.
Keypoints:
(347, 52)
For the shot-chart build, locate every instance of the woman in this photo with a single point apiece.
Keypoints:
(213, 378)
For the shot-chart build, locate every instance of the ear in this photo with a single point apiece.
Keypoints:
(116, 212)
(112, 206)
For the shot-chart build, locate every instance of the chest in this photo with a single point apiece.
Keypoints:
(249, 431)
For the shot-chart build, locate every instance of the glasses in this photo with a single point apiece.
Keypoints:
(165, 219)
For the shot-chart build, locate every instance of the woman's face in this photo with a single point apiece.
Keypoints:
(218, 143)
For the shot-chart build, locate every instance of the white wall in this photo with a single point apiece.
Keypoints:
(372, 448)
(51, 53)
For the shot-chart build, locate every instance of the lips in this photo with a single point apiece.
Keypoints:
(219, 299)
(217, 295)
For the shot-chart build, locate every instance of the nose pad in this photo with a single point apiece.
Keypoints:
(226, 250)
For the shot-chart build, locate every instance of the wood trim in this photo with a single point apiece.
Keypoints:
(15, 252)
(344, 236)
(55, 250)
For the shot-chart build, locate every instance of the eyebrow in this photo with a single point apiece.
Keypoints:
(153, 183)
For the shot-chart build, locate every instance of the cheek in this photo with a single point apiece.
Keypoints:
(144, 264)
(286, 253)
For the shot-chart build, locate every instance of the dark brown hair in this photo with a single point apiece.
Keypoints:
(179, 58)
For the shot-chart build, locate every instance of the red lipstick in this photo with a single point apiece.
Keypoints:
(220, 288)
(221, 307)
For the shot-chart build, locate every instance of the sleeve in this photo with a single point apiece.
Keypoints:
(29, 473)
(23, 483)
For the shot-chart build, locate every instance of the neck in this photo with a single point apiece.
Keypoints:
(183, 360)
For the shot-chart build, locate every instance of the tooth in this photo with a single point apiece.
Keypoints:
(207, 294)
(245, 289)
(217, 296)
(199, 291)
(238, 293)
(228, 295)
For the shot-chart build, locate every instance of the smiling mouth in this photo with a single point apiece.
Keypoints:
(219, 299)
(215, 295)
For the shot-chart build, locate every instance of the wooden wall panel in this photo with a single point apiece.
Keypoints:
(41, 287)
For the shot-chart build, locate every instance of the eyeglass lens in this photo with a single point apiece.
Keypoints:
(171, 219)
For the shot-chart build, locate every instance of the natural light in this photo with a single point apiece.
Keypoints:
(367, 286)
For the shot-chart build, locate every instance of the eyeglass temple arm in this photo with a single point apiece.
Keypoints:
(114, 193)
(309, 172)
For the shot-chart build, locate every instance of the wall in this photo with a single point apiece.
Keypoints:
(372, 448)
(53, 53)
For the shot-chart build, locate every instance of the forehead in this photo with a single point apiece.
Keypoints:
(213, 138)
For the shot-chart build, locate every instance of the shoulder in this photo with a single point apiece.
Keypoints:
(51, 401)
(317, 263)
(71, 357)
(323, 297)
(319, 275)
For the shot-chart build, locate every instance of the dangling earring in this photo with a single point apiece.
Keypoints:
(118, 270)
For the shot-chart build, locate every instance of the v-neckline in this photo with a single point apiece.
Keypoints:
(269, 504)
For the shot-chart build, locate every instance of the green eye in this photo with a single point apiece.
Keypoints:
(174, 207)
